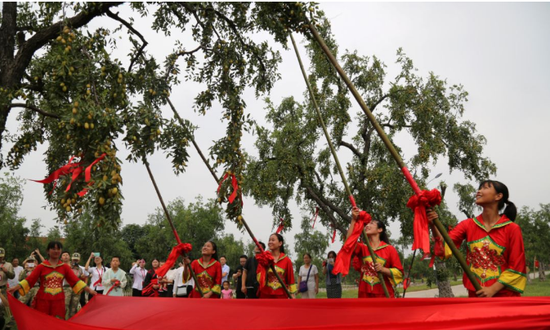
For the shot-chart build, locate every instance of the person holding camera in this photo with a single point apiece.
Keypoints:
(139, 273)
(28, 266)
(333, 282)
(96, 272)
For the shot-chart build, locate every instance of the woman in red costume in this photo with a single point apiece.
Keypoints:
(270, 287)
(387, 261)
(208, 271)
(50, 298)
(495, 251)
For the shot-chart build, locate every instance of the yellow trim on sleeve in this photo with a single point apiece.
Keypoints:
(25, 287)
(448, 251)
(396, 276)
(217, 289)
(513, 280)
(78, 287)
(293, 288)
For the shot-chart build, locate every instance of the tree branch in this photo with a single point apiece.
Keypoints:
(33, 108)
(12, 75)
(328, 208)
(129, 26)
(351, 147)
(372, 107)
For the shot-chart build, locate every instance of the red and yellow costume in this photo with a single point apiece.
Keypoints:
(272, 288)
(209, 278)
(494, 255)
(369, 284)
(50, 298)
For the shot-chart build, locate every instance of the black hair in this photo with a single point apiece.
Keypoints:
(383, 235)
(309, 255)
(262, 244)
(54, 244)
(215, 247)
(511, 210)
(222, 256)
(243, 256)
(225, 282)
(115, 257)
(282, 240)
(328, 256)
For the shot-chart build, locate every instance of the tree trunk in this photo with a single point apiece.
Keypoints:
(443, 282)
(542, 274)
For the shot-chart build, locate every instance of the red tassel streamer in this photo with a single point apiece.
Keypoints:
(281, 226)
(315, 216)
(75, 169)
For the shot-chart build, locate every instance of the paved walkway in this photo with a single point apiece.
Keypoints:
(458, 290)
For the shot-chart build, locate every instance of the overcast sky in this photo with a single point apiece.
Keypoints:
(498, 51)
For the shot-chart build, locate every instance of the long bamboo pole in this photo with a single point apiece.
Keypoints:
(248, 230)
(335, 156)
(171, 224)
(392, 150)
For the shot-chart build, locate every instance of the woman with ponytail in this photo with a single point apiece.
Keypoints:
(387, 261)
(495, 251)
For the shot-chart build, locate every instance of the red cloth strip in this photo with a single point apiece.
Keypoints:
(419, 203)
(281, 226)
(265, 260)
(341, 265)
(315, 216)
(117, 284)
(177, 251)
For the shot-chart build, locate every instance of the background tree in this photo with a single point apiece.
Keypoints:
(196, 223)
(13, 230)
(80, 99)
(313, 242)
(425, 110)
(535, 228)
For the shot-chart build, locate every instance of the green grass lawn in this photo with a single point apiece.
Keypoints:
(533, 289)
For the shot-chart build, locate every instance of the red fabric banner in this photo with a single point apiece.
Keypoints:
(419, 203)
(265, 260)
(315, 216)
(177, 251)
(341, 265)
(104, 312)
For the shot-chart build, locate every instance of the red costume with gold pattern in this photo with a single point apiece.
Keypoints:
(494, 255)
(272, 287)
(369, 284)
(209, 278)
(50, 298)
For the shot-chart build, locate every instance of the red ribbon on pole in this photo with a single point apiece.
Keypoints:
(333, 235)
(74, 169)
(177, 251)
(265, 260)
(342, 263)
(234, 184)
(315, 216)
(418, 203)
(281, 226)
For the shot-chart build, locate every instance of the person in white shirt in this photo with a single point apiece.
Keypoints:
(225, 268)
(96, 272)
(139, 272)
(17, 270)
(183, 286)
(114, 279)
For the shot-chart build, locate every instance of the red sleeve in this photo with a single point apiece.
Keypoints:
(457, 235)
(34, 275)
(516, 258)
(356, 264)
(359, 249)
(395, 261)
(289, 273)
(218, 273)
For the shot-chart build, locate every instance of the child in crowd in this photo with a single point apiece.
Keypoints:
(227, 293)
